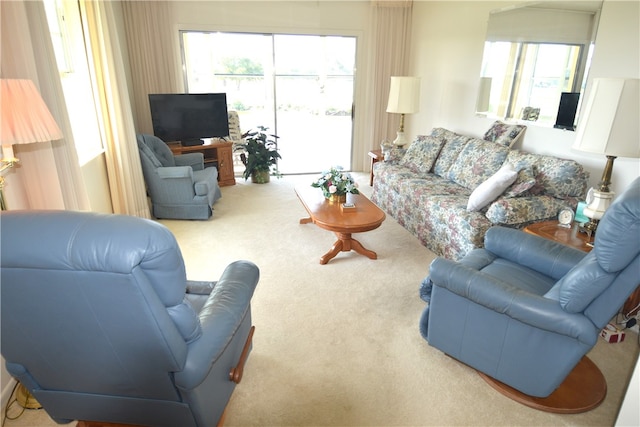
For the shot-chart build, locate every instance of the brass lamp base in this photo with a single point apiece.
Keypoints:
(26, 399)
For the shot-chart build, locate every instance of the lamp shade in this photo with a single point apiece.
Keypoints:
(25, 116)
(404, 95)
(609, 124)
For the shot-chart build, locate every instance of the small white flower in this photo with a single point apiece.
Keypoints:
(333, 189)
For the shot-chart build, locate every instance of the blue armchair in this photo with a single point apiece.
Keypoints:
(180, 187)
(525, 310)
(100, 324)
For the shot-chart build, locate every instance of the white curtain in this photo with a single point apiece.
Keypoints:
(155, 66)
(48, 176)
(389, 56)
(126, 183)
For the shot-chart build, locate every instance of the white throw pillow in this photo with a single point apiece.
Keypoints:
(489, 190)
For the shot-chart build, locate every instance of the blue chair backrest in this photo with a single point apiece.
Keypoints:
(100, 297)
(600, 283)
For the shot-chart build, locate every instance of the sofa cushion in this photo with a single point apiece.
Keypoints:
(520, 210)
(477, 161)
(554, 176)
(490, 189)
(504, 134)
(525, 180)
(422, 154)
(453, 145)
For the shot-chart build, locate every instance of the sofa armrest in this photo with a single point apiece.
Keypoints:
(195, 160)
(523, 210)
(220, 318)
(545, 256)
(504, 298)
(170, 172)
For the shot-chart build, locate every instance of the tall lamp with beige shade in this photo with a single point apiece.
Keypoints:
(404, 98)
(25, 120)
(609, 126)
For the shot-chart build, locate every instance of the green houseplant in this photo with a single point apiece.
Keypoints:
(261, 157)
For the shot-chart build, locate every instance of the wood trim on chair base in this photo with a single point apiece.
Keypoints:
(583, 390)
(101, 424)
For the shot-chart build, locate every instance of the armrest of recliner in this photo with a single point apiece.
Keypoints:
(169, 172)
(502, 297)
(545, 256)
(220, 317)
(194, 160)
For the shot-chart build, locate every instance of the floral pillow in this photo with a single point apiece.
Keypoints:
(503, 133)
(524, 182)
(422, 154)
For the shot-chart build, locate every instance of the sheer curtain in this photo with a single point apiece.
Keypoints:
(126, 183)
(48, 176)
(389, 56)
(155, 66)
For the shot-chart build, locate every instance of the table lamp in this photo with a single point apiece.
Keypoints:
(609, 126)
(25, 119)
(404, 98)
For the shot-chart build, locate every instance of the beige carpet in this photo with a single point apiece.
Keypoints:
(338, 344)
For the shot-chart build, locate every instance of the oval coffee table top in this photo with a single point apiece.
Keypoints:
(366, 215)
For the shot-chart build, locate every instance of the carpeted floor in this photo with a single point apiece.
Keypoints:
(338, 344)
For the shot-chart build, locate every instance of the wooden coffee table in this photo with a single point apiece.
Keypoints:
(365, 217)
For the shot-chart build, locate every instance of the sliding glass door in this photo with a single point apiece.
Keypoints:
(300, 86)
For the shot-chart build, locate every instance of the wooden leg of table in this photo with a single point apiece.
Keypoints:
(371, 173)
(357, 246)
(337, 247)
(345, 244)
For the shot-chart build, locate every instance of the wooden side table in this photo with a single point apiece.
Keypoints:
(573, 237)
(567, 236)
(376, 156)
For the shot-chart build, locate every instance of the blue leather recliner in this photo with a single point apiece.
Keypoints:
(100, 323)
(180, 187)
(524, 310)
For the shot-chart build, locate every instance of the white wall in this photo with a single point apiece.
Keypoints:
(447, 45)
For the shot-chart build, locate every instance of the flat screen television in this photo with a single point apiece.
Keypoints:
(189, 117)
(567, 110)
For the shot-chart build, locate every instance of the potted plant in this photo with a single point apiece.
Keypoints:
(261, 157)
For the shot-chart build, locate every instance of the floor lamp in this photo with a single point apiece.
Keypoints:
(404, 98)
(25, 120)
(608, 126)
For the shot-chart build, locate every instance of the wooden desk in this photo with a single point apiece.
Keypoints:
(215, 153)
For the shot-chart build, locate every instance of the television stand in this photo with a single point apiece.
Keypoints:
(216, 152)
(192, 142)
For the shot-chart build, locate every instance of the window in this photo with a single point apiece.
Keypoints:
(530, 76)
(66, 34)
(300, 86)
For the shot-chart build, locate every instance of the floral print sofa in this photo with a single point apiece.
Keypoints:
(426, 188)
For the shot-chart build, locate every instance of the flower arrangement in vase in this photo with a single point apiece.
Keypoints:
(335, 184)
